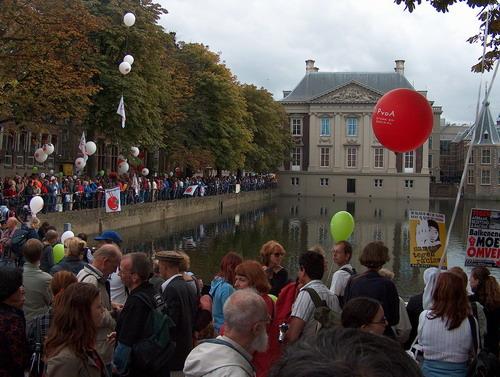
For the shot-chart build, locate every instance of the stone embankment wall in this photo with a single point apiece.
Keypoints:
(93, 221)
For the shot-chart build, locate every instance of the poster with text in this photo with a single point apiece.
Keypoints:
(427, 238)
(483, 238)
(113, 203)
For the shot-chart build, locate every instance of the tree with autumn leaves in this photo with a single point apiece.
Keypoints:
(59, 66)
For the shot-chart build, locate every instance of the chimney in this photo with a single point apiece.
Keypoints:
(400, 67)
(310, 66)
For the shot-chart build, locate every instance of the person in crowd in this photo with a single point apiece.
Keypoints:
(271, 254)
(47, 260)
(181, 307)
(195, 285)
(250, 274)
(29, 230)
(106, 261)
(156, 280)
(42, 230)
(347, 352)
(36, 282)
(487, 292)
(444, 331)
(415, 307)
(88, 255)
(403, 328)
(118, 291)
(8, 231)
(311, 271)
(131, 327)
(13, 344)
(222, 287)
(70, 343)
(73, 249)
(38, 327)
(246, 319)
(364, 313)
(371, 284)
(342, 253)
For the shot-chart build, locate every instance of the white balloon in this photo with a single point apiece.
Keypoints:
(51, 171)
(129, 19)
(129, 59)
(90, 148)
(40, 155)
(48, 149)
(80, 163)
(123, 167)
(66, 235)
(145, 171)
(36, 205)
(134, 151)
(124, 68)
(42, 175)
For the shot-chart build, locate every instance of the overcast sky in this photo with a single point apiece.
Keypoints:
(265, 42)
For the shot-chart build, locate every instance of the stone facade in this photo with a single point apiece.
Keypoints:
(335, 150)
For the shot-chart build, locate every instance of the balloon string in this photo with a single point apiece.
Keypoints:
(469, 150)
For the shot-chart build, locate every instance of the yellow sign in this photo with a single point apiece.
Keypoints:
(67, 169)
(427, 238)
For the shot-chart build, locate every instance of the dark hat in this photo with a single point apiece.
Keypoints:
(169, 256)
(10, 280)
(109, 235)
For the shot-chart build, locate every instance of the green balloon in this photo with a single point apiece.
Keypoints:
(61, 174)
(58, 252)
(341, 226)
(101, 173)
(35, 169)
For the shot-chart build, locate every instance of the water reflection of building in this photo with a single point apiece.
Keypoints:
(335, 151)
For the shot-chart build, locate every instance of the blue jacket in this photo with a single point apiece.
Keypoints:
(220, 290)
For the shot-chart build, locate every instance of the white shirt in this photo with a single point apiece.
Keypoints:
(117, 289)
(303, 307)
(340, 279)
(167, 282)
(442, 344)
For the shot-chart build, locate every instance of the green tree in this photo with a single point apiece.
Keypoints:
(215, 112)
(493, 45)
(266, 119)
(46, 62)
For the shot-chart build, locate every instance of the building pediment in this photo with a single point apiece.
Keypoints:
(349, 93)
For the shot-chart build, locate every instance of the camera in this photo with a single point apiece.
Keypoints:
(283, 329)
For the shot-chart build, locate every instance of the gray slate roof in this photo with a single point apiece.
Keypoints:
(316, 84)
(486, 133)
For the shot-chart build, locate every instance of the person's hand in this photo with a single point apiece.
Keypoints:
(111, 338)
(422, 234)
(116, 307)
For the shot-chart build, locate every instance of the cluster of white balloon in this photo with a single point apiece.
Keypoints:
(126, 65)
(123, 165)
(41, 154)
(90, 149)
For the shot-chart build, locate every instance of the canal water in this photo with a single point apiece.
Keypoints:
(299, 223)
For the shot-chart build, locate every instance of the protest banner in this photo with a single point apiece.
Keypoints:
(427, 238)
(191, 190)
(113, 203)
(483, 238)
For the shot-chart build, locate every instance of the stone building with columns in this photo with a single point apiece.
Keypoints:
(335, 151)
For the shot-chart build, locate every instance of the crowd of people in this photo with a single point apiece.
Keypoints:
(67, 193)
(103, 313)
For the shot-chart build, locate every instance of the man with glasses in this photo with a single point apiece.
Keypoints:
(245, 323)
(342, 253)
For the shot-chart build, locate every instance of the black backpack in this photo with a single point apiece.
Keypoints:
(152, 354)
(19, 238)
(484, 363)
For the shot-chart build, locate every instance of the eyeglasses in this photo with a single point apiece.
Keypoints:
(382, 322)
(278, 254)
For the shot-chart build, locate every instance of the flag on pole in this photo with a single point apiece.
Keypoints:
(113, 203)
(81, 146)
(121, 111)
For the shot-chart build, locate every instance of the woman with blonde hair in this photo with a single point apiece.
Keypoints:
(72, 261)
(271, 254)
(70, 347)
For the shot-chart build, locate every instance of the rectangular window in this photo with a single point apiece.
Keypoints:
(408, 183)
(325, 127)
(378, 182)
(430, 161)
(352, 126)
(379, 157)
(351, 187)
(295, 181)
(409, 161)
(296, 126)
(486, 156)
(352, 156)
(324, 157)
(323, 181)
(498, 177)
(430, 142)
(485, 177)
(470, 177)
(296, 157)
(471, 159)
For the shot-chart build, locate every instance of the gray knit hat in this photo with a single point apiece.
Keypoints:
(10, 280)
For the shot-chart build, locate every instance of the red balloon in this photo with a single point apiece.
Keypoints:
(402, 120)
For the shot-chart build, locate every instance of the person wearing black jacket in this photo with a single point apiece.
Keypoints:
(371, 284)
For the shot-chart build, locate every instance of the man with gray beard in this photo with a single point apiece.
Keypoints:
(245, 322)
